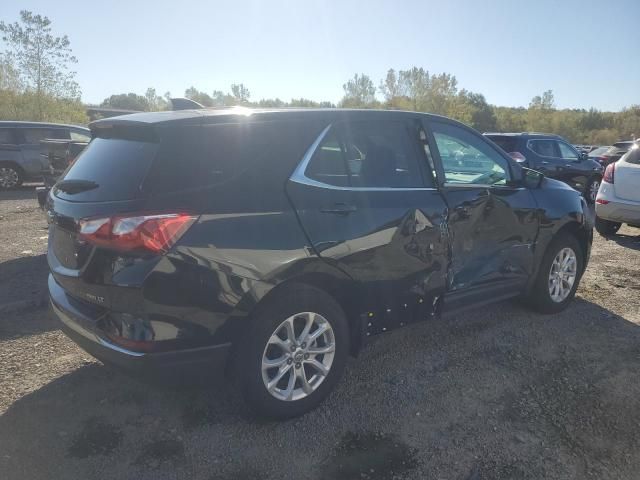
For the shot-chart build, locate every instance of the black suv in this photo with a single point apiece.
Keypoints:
(555, 158)
(272, 244)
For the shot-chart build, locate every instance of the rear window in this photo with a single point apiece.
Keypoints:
(508, 144)
(117, 165)
(633, 156)
(33, 136)
(599, 151)
(623, 145)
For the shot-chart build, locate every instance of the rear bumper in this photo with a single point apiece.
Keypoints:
(616, 211)
(209, 361)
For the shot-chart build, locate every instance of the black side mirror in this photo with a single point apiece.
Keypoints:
(531, 178)
(583, 156)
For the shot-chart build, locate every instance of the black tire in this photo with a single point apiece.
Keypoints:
(591, 190)
(247, 368)
(606, 228)
(539, 297)
(11, 176)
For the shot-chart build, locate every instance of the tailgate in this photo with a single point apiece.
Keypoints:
(627, 180)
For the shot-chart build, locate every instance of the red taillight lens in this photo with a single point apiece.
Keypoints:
(609, 173)
(155, 233)
(518, 157)
(601, 201)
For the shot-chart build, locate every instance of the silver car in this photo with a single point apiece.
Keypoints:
(618, 199)
(20, 151)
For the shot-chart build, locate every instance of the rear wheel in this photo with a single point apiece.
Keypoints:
(607, 228)
(10, 176)
(591, 191)
(294, 352)
(558, 276)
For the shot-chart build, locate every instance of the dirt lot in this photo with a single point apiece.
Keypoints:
(500, 393)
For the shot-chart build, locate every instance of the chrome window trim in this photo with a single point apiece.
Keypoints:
(299, 176)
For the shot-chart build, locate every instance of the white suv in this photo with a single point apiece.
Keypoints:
(618, 199)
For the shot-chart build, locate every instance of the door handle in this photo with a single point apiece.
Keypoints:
(544, 162)
(340, 209)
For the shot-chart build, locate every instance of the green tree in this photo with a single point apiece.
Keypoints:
(240, 94)
(155, 102)
(127, 101)
(42, 63)
(359, 92)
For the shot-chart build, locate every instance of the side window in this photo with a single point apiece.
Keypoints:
(367, 154)
(6, 136)
(78, 136)
(567, 152)
(467, 158)
(545, 148)
(33, 136)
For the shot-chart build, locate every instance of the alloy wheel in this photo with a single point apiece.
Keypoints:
(562, 276)
(298, 356)
(593, 190)
(9, 177)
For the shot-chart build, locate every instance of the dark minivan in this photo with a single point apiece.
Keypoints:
(270, 245)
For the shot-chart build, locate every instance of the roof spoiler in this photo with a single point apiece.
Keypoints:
(184, 104)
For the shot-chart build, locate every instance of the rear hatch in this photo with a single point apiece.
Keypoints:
(627, 176)
(106, 179)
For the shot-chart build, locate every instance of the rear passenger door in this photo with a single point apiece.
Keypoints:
(368, 204)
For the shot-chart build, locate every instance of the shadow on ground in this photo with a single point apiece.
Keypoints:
(24, 192)
(496, 394)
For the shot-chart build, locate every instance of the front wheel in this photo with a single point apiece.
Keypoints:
(607, 228)
(558, 276)
(294, 352)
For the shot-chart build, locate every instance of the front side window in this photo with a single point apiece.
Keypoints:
(467, 158)
(566, 152)
(545, 148)
(367, 154)
(77, 136)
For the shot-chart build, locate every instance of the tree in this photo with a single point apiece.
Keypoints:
(359, 92)
(202, 98)
(41, 61)
(127, 101)
(155, 102)
(240, 94)
(540, 112)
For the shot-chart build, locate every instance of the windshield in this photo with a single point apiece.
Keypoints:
(599, 151)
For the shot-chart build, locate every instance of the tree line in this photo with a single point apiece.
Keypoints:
(37, 82)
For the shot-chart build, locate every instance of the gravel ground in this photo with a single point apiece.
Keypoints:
(498, 393)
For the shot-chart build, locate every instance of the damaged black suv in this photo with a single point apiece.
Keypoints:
(270, 245)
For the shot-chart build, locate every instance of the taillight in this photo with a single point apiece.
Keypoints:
(155, 233)
(601, 201)
(603, 159)
(609, 173)
(518, 157)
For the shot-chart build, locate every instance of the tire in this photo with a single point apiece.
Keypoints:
(293, 303)
(591, 191)
(11, 176)
(540, 296)
(606, 228)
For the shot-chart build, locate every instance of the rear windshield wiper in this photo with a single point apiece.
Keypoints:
(72, 186)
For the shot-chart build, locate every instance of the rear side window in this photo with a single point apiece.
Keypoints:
(545, 148)
(508, 144)
(367, 154)
(117, 165)
(33, 136)
(6, 136)
(633, 156)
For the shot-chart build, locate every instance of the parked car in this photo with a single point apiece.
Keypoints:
(599, 155)
(59, 155)
(585, 148)
(618, 199)
(271, 244)
(20, 154)
(554, 157)
(615, 152)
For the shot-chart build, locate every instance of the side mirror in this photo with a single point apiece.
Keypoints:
(583, 156)
(531, 178)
